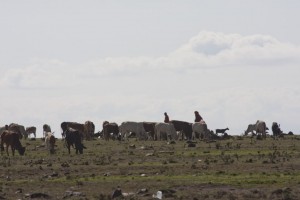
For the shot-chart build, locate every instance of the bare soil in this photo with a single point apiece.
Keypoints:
(236, 168)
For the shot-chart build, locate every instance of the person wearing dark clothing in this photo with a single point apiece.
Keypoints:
(167, 120)
(198, 118)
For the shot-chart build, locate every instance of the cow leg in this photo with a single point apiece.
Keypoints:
(69, 146)
(7, 150)
(2, 148)
(13, 150)
(182, 135)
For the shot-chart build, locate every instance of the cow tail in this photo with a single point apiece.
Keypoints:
(2, 146)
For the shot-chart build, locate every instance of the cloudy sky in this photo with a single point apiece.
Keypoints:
(73, 60)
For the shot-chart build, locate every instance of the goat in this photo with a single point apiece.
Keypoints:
(221, 130)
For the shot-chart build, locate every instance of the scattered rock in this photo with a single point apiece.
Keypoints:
(167, 152)
(19, 190)
(191, 142)
(65, 164)
(171, 142)
(276, 193)
(54, 174)
(168, 193)
(191, 145)
(106, 174)
(69, 193)
(146, 147)
(158, 195)
(142, 191)
(128, 194)
(37, 195)
(150, 154)
(8, 178)
(39, 162)
(132, 146)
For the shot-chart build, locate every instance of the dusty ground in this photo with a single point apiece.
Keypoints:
(237, 168)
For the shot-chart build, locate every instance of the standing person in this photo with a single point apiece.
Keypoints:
(198, 118)
(167, 120)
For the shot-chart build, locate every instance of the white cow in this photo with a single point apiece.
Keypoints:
(200, 130)
(165, 131)
(50, 142)
(133, 127)
(250, 128)
(259, 127)
(29, 130)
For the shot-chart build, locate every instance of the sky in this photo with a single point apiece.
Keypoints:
(234, 61)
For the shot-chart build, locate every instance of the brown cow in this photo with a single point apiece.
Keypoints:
(3, 129)
(110, 128)
(10, 138)
(18, 129)
(150, 128)
(89, 130)
(29, 130)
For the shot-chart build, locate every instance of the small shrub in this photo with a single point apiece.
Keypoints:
(218, 145)
(206, 161)
(194, 166)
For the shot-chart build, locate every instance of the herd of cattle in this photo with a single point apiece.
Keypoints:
(73, 133)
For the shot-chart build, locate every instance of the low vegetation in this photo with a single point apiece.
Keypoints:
(237, 168)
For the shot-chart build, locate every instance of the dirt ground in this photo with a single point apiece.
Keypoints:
(236, 168)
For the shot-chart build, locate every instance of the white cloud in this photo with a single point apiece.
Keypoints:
(219, 50)
(231, 79)
(205, 51)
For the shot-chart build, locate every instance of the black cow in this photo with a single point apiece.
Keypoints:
(150, 128)
(74, 125)
(184, 127)
(276, 129)
(74, 137)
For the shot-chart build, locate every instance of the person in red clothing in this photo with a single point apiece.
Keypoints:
(167, 120)
(198, 118)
